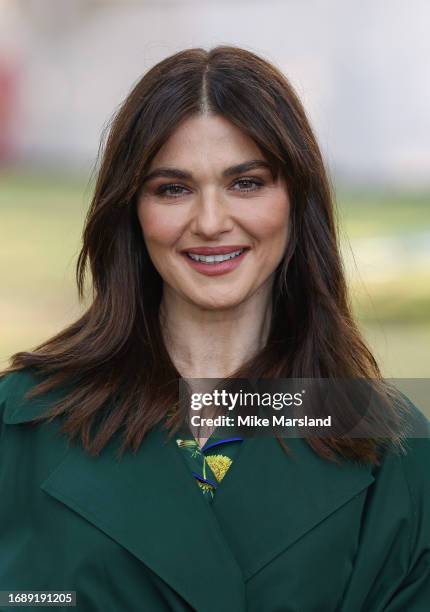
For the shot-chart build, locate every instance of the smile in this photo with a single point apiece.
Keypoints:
(215, 261)
(211, 259)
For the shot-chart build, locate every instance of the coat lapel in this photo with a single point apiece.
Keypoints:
(149, 503)
(268, 499)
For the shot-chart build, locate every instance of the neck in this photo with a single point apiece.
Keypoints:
(205, 343)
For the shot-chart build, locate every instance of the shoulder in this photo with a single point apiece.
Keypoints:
(392, 566)
(415, 458)
(403, 478)
(29, 452)
(415, 455)
(413, 452)
(12, 384)
(15, 404)
(13, 388)
(28, 449)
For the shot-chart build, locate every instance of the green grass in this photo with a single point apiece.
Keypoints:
(364, 214)
(41, 218)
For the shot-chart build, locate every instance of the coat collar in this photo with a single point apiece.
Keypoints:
(149, 503)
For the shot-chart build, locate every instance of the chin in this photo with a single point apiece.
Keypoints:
(216, 303)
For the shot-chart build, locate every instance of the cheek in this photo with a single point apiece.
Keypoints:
(159, 228)
(272, 221)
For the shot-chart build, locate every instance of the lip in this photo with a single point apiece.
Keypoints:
(219, 250)
(215, 269)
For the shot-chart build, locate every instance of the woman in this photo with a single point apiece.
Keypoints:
(213, 253)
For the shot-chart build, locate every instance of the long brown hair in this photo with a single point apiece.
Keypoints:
(115, 354)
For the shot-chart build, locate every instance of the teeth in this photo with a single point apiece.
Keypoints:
(209, 259)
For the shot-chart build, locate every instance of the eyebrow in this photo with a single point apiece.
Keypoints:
(228, 172)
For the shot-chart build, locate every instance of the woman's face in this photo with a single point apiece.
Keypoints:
(214, 221)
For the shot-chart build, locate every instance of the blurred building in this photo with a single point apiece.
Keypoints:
(361, 69)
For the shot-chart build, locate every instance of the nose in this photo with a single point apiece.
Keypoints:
(211, 216)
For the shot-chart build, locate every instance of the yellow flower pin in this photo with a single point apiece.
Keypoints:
(219, 465)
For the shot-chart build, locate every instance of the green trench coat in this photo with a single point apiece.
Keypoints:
(283, 534)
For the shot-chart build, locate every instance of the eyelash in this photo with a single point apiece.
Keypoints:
(163, 189)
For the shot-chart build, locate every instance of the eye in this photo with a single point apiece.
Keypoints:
(173, 190)
(247, 184)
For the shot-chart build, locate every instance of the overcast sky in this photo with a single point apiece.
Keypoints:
(360, 67)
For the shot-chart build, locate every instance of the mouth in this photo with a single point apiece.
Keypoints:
(215, 260)
(212, 259)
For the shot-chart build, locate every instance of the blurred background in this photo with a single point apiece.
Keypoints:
(361, 70)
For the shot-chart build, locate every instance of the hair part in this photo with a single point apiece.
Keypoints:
(123, 377)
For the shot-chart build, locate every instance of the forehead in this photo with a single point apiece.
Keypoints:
(206, 138)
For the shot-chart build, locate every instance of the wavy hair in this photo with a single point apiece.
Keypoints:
(114, 354)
